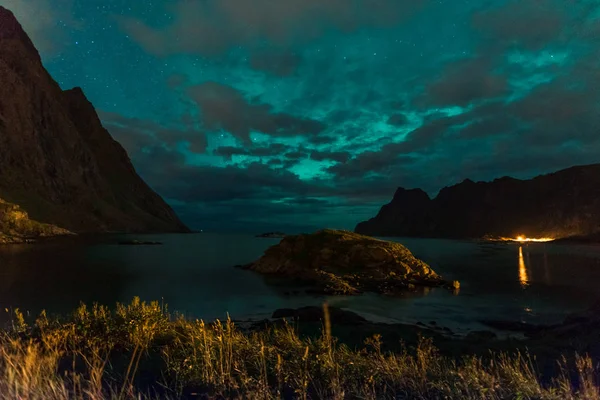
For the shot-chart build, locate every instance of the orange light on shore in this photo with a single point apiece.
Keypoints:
(523, 239)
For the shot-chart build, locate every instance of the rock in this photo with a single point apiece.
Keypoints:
(271, 235)
(17, 227)
(342, 262)
(562, 204)
(57, 162)
(315, 314)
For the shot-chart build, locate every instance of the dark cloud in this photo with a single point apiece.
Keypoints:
(279, 63)
(426, 136)
(557, 113)
(272, 150)
(464, 82)
(528, 23)
(322, 140)
(541, 131)
(488, 126)
(136, 134)
(279, 150)
(229, 151)
(338, 156)
(255, 194)
(204, 184)
(370, 162)
(340, 116)
(555, 103)
(502, 88)
(224, 107)
(296, 155)
(177, 80)
(213, 26)
(39, 19)
(397, 120)
(256, 181)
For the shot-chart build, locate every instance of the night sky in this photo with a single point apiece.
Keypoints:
(251, 115)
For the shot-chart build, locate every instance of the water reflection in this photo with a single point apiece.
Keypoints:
(523, 277)
(194, 275)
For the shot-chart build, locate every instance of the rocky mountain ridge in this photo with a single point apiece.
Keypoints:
(557, 205)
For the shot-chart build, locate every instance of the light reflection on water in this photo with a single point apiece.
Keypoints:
(523, 278)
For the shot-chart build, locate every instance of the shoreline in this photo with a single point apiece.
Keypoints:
(180, 358)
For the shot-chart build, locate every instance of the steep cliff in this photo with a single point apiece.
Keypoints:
(57, 162)
(561, 204)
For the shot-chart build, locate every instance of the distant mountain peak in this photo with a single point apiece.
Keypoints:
(9, 26)
(415, 193)
(11, 29)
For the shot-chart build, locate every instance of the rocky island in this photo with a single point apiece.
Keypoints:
(271, 235)
(558, 205)
(58, 165)
(342, 262)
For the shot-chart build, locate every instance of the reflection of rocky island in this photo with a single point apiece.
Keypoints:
(57, 162)
(557, 205)
(341, 262)
(276, 235)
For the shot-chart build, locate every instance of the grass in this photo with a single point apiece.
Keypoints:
(140, 351)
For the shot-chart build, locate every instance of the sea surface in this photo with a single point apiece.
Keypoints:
(194, 275)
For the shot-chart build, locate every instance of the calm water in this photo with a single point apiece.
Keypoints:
(538, 283)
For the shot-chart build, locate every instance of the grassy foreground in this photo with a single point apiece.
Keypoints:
(141, 351)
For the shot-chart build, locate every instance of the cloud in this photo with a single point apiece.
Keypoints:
(137, 134)
(338, 156)
(210, 27)
(279, 63)
(370, 162)
(176, 80)
(272, 150)
(397, 119)
(424, 103)
(255, 194)
(528, 23)
(39, 19)
(296, 155)
(466, 81)
(224, 107)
